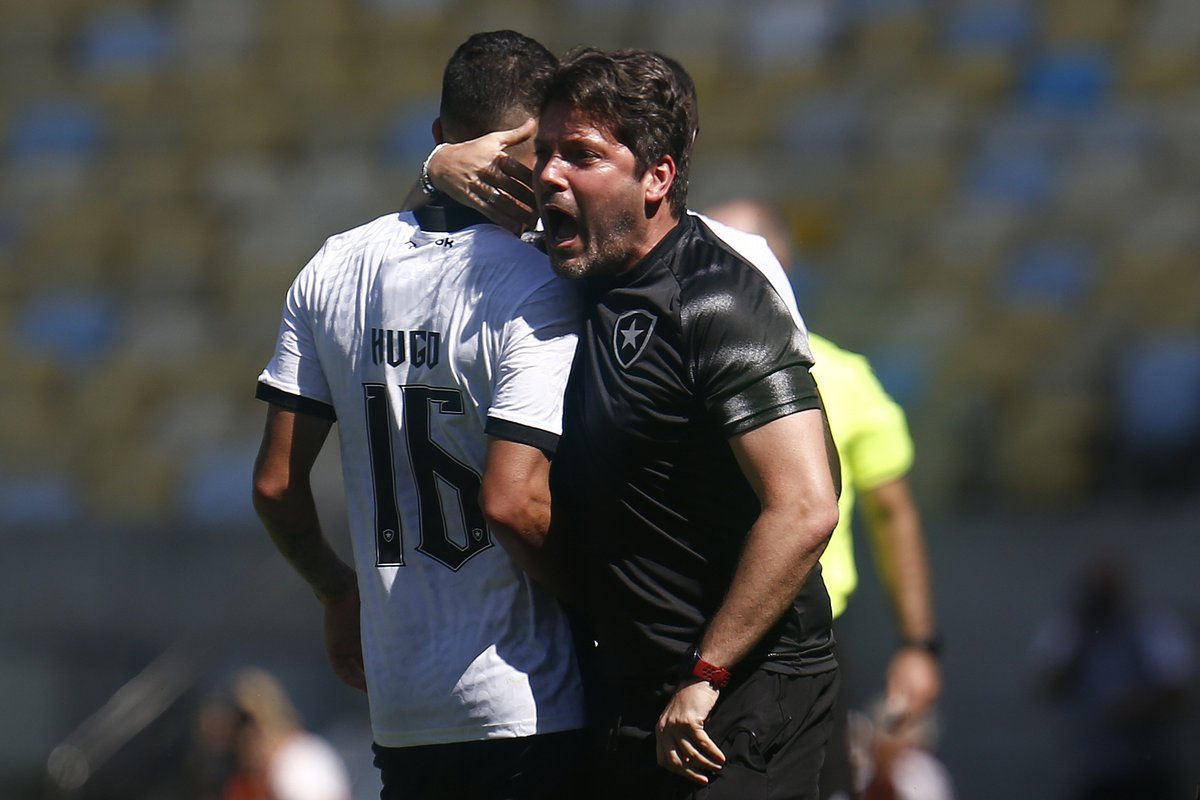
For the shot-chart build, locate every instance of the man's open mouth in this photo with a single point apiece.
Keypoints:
(559, 225)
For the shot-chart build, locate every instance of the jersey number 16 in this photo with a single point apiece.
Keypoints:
(432, 469)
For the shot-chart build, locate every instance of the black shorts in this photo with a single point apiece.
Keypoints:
(548, 766)
(772, 728)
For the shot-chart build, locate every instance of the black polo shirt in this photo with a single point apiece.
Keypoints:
(687, 349)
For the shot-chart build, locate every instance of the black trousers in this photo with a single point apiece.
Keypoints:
(549, 766)
(771, 727)
(837, 774)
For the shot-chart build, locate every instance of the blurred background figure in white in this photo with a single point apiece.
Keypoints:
(277, 759)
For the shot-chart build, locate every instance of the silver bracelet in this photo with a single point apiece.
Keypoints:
(427, 185)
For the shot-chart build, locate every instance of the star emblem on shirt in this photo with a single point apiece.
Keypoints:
(631, 333)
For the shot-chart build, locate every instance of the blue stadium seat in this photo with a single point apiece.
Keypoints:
(75, 328)
(55, 127)
(1019, 179)
(29, 500)
(118, 43)
(1071, 80)
(1158, 393)
(783, 32)
(1054, 274)
(987, 26)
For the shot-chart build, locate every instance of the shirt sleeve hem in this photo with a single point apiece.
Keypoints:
(543, 440)
(760, 418)
(295, 402)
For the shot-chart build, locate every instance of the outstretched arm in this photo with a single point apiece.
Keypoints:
(284, 501)
(897, 543)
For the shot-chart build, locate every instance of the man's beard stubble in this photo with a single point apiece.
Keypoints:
(612, 253)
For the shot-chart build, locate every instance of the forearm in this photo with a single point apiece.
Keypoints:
(292, 522)
(780, 554)
(913, 676)
(515, 498)
(786, 461)
(899, 548)
(522, 534)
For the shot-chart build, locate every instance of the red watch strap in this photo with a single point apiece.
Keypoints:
(717, 676)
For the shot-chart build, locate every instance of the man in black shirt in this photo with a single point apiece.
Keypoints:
(694, 469)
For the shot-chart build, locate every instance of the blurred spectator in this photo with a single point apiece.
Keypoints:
(210, 758)
(1123, 671)
(276, 758)
(893, 756)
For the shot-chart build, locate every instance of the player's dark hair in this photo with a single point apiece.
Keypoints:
(647, 101)
(688, 86)
(491, 76)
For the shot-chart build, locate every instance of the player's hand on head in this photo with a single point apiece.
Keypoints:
(343, 642)
(683, 747)
(482, 175)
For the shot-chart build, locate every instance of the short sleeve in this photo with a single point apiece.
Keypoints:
(535, 361)
(881, 447)
(751, 361)
(295, 368)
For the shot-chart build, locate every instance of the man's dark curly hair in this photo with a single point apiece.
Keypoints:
(645, 100)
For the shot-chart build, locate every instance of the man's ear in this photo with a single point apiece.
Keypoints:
(438, 136)
(658, 179)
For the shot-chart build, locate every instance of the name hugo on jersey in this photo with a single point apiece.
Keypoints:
(419, 348)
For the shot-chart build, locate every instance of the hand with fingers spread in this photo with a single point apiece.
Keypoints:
(483, 174)
(683, 745)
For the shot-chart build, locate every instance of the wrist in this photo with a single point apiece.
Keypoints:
(712, 674)
(426, 181)
(928, 644)
(337, 588)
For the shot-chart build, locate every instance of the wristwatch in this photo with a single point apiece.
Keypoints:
(426, 184)
(718, 677)
(931, 644)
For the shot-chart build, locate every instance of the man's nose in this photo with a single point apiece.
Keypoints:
(548, 176)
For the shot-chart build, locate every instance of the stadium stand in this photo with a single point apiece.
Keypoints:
(194, 154)
(995, 200)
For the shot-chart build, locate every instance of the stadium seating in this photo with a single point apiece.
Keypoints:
(978, 187)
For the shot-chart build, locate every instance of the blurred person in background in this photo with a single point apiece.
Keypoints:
(210, 756)
(442, 344)
(1124, 673)
(892, 757)
(275, 757)
(876, 453)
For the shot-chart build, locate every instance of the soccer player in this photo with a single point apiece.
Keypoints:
(694, 472)
(441, 344)
(876, 453)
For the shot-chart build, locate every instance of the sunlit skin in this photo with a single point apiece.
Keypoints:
(601, 217)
